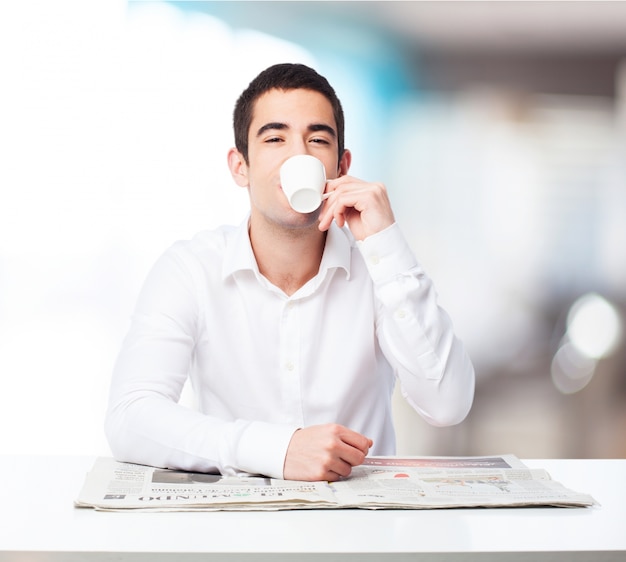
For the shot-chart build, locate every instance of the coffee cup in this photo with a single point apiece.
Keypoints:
(303, 179)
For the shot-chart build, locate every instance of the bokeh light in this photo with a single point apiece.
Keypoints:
(594, 326)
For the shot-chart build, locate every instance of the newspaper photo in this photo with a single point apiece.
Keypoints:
(379, 483)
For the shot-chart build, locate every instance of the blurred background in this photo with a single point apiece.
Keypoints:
(499, 129)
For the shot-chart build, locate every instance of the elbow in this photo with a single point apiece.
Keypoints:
(452, 400)
(113, 433)
(454, 414)
(457, 388)
(457, 399)
(117, 434)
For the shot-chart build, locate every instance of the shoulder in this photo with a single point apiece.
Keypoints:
(197, 258)
(206, 244)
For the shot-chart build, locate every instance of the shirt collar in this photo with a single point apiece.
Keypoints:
(240, 257)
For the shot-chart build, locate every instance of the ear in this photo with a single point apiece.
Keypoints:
(238, 167)
(344, 163)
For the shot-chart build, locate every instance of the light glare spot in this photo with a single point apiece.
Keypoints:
(594, 326)
(571, 371)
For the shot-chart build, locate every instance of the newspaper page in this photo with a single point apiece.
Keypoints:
(379, 483)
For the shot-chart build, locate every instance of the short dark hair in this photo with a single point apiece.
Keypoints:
(285, 76)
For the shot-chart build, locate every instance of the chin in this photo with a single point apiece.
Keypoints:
(303, 220)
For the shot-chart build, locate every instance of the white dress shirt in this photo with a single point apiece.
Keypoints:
(263, 364)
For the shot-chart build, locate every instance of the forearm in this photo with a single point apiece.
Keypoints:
(416, 334)
(154, 431)
(149, 429)
(144, 422)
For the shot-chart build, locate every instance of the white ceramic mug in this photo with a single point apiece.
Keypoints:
(303, 179)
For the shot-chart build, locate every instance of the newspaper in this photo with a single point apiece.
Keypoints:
(379, 483)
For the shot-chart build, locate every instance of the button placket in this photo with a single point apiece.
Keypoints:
(289, 359)
(290, 337)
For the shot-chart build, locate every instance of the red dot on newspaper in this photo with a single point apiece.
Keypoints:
(401, 475)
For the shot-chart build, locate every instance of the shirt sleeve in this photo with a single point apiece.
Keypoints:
(415, 333)
(144, 422)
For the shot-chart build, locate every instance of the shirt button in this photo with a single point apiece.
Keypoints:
(374, 260)
(400, 314)
(290, 366)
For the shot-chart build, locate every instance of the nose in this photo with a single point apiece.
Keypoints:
(301, 147)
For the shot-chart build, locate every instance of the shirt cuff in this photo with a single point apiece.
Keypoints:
(387, 254)
(262, 448)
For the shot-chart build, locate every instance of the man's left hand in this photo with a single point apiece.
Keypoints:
(364, 206)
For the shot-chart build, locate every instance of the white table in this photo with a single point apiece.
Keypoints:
(39, 523)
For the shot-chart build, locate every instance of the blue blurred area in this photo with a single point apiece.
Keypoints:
(365, 65)
(508, 177)
(343, 40)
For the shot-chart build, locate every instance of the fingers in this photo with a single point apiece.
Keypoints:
(348, 450)
(338, 205)
(354, 442)
(334, 207)
(365, 207)
(324, 452)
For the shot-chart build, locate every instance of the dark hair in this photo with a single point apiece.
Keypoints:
(284, 76)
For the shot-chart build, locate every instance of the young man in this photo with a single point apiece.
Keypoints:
(292, 327)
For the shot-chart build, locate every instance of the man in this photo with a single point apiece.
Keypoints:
(292, 327)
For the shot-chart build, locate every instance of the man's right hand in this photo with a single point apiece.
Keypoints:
(324, 452)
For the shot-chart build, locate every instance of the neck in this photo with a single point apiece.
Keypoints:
(287, 257)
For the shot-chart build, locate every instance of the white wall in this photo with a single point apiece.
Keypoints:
(115, 126)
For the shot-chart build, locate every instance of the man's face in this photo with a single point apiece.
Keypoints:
(286, 123)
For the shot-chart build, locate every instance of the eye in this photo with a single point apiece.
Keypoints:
(273, 139)
(320, 140)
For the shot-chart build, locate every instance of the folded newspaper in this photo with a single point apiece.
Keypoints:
(379, 483)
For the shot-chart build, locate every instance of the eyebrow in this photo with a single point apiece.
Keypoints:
(314, 127)
(323, 127)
